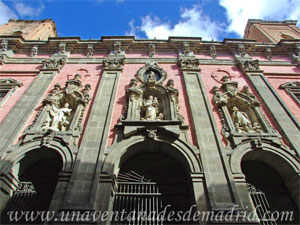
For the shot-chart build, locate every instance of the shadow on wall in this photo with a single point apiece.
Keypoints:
(153, 178)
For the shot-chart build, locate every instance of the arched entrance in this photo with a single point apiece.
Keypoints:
(154, 179)
(37, 174)
(152, 183)
(269, 193)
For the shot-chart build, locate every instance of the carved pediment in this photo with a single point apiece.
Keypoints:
(291, 85)
(9, 83)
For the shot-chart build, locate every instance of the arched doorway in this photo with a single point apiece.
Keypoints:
(37, 173)
(152, 177)
(271, 198)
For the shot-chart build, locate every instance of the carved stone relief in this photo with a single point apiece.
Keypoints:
(240, 113)
(117, 49)
(151, 50)
(34, 51)
(152, 101)
(189, 64)
(248, 65)
(241, 50)
(213, 51)
(152, 106)
(113, 63)
(268, 53)
(62, 110)
(295, 55)
(3, 46)
(186, 51)
(54, 63)
(153, 71)
(90, 50)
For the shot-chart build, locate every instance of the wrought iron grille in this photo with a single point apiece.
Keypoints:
(146, 200)
(269, 195)
(3, 94)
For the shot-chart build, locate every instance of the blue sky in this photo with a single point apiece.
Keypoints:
(209, 19)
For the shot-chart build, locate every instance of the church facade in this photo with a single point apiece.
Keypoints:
(128, 131)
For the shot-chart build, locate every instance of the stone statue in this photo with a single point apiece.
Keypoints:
(150, 107)
(242, 119)
(256, 128)
(58, 121)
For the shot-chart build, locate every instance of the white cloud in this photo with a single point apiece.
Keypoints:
(26, 10)
(192, 23)
(132, 31)
(6, 13)
(239, 11)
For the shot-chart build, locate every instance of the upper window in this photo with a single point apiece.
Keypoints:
(293, 89)
(7, 88)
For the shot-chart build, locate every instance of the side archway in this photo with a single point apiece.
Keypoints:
(271, 177)
(30, 173)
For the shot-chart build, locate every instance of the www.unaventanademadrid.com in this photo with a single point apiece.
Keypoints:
(164, 215)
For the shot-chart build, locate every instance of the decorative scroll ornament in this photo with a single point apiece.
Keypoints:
(151, 71)
(113, 63)
(268, 53)
(151, 48)
(213, 51)
(240, 113)
(54, 63)
(34, 51)
(90, 50)
(189, 64)
(248, 65)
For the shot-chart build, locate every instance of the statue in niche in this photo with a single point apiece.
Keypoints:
(58, 118)
(242, 119)
(150, 107)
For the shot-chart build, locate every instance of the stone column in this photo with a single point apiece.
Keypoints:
(81, 193)
(220, 185)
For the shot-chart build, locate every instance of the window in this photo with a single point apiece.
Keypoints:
(293, 89)
(7, 88)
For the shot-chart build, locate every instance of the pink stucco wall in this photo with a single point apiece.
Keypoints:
(128, 73)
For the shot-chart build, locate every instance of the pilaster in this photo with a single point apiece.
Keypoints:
(81, 193)
(220, 186)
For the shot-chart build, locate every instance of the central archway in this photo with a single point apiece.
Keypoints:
(154, 179)
(150, 184)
